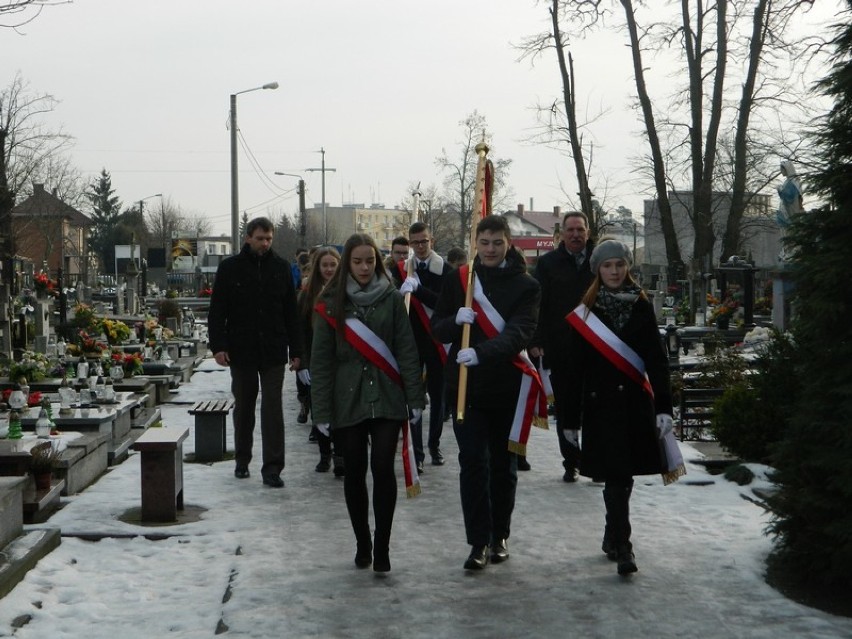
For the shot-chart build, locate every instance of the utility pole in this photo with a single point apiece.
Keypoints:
(323, 169)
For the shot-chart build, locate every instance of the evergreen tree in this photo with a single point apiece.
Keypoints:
(812, 518)
(106, 210)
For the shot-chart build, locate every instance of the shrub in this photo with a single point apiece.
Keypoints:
(751, 416)
(167, 308)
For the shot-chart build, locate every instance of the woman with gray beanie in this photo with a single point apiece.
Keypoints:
(623, 403)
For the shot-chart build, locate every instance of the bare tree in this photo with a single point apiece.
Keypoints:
(730, 51)
(16, 13)
(29, 152)
(460, 175)
(559, 119)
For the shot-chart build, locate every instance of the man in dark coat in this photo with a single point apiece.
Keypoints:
(425, 285)
(488, 470)
(253, 324)
(564, 275)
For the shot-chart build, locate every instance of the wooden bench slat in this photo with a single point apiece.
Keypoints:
(212, 406)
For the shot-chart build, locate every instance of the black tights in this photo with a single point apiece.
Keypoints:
(382, 436)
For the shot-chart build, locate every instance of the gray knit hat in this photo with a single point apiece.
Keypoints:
(608, 250)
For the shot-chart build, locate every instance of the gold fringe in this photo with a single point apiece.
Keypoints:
(551, 399)
(412, 491)
(517, 448)
(673, 475)
(541, 422)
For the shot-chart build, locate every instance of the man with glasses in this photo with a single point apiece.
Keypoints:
(425, 285)
(398, 253)
(564, 275)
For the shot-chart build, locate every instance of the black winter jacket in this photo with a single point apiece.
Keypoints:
(562, 287)
(618, 418)
(253, 310)
(515, 295)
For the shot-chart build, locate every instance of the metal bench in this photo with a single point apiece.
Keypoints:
(696, 408)
(162, 472)
(210, 421)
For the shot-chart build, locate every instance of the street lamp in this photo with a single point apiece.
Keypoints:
(302, 221)
(235, 198)
(324, 170)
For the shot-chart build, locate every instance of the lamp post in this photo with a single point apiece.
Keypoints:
(235, 197)
(302, 220)
(323, 169)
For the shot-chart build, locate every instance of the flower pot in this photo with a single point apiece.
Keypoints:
(722, 323)
(42, 480)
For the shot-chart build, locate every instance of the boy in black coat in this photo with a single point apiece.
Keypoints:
(488, 474)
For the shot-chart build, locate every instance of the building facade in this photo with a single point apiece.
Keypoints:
(52, 234)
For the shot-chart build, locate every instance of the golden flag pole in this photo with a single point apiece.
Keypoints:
(415, 217)
(479, 211)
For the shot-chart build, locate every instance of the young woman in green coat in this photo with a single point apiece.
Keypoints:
(365, 382)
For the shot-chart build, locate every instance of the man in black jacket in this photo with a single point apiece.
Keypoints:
(509, 300)
(564, 275)
(252, 324)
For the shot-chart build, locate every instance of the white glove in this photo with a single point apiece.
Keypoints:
(409, 285)
(325, 429)
(465, 315)
(664, 424)
(467, 356)
(416, 414)
(304, 376)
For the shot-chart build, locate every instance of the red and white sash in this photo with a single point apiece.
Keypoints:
(374, 350)
(531, 408)
(424, 314)
(608, 344)
(628, 362)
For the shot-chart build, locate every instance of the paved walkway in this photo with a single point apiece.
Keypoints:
(250, 561)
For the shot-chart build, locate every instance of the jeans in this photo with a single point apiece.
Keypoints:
(244, 386)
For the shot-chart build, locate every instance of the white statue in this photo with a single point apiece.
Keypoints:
(790, 192)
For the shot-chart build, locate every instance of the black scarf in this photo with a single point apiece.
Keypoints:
(617, 304)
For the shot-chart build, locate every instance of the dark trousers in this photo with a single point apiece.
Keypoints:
(372, 441)
(488, 472)
(244, 386)
(616, 495)
(570, 453)
(435, 388)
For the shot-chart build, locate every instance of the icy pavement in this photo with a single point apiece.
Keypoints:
(262, 562)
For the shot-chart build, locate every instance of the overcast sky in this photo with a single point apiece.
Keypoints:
(381, 85)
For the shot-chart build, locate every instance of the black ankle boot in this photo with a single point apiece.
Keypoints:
(364, 554)
(324, 464)
(381, 554)
(608, 546)
(339, 469)
(626, 559)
